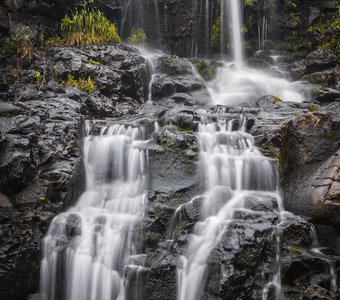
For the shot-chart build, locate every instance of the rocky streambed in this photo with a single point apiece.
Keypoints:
(42, 173)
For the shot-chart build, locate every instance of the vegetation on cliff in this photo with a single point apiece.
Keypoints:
(88, 26)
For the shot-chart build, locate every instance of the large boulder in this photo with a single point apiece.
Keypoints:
(319, 186)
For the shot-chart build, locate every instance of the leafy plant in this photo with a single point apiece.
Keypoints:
(16, 74)
(24, 44)
(276, 99)
(88, 26)
(137, 36)
(336, 21)
(94, 62)
(8, 47)
(86, 84)
(314, 108)
(40, 79)
(53, 41)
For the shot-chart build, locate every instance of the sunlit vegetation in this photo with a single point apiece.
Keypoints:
(88, 26)
(94, 62)
(85, 84)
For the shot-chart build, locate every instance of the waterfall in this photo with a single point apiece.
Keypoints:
(231, 22)
(88, 248)
(236, 25)
(233, 170)
(235, 83)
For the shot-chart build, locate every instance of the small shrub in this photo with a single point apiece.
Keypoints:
(8, 47)
(138, 36)
(314, 108)
(16, 74)
(53, 41)
(94, 62)
(40, 79)
(88, 26)
(87, 85)
(24, 44)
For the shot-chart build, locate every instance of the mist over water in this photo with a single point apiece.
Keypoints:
(241, 85)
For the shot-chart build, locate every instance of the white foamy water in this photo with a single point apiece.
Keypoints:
(87, 248)
(235, 85)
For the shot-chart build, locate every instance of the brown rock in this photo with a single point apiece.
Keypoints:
(4, 201)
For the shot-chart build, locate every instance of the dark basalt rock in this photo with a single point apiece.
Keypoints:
(317, 188)
(173, 167)
(320, 59)
(316, 61)
(173, 65)
(167, 86)
(328, 95)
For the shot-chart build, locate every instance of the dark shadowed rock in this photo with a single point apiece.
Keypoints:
(328, 95)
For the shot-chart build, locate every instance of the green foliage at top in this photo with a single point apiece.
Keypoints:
(88, 26)
(137, 36)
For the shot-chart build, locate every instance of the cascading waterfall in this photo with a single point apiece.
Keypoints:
(233, 169)
(236, 83)
(88, 248)
(231, 22)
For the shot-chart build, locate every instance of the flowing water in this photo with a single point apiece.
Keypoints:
(244, 86)
(238, 84)
(88, 248)
(233, 170)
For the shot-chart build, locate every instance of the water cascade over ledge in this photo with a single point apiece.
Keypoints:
(234, 173)
(87, 248)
